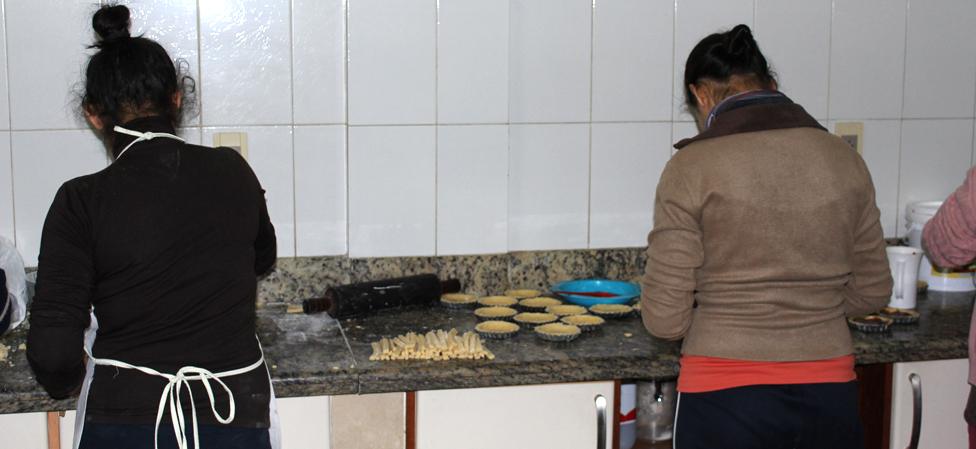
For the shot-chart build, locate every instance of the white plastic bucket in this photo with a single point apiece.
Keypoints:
(916, 215)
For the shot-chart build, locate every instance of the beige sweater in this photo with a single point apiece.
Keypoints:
(773, 232)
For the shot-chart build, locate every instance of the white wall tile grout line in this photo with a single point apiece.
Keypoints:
(589, 164)
(901, 124)
(904, 61)
(10, 124)
(199, 82)
(508, 133)
(311, 125)
(674, 62)
(755, 15)
(437, 43)
(830, 54)
(294, 175)
(972, 152)
(345, 100)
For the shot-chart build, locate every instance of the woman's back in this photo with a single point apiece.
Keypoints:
(779, 210)
(168, 241)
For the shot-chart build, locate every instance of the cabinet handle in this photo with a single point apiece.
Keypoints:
(916, 382)
(601, 421)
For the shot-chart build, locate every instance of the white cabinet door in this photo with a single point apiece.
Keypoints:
(67, 429)
(24, 430)
(945, 389)
(539, 416)
(304, 422)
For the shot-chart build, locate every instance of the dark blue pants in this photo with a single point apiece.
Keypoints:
(139, 436)
(803, 416)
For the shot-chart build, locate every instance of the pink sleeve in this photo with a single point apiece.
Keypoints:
(949, 238)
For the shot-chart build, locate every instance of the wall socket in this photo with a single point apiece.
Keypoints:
(852, 133)
(234, 140)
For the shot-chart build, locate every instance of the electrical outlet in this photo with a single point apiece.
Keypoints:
(852, 133)
(234, 140)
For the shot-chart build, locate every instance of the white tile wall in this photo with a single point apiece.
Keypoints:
(472, 62)
(245, 62)
(319, 61)
(472, 189)
(867, 57)
(37, 179)
(4, 81)
(695, 19)
(801, 64)
(547, 187)
(192, 134)
(391, 61)
(391, 190)
(550, 60)
(626, 162)
(6, 188)
(881, 150)
(935, 155)
(44, 62)
(469, 69)
(632, 45)
(172, 23)
(269, 152)
(320, 190)
(940, 70)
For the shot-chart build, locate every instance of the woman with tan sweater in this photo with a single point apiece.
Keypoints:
(766, 236)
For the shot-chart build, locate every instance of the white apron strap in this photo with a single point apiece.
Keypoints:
(274, 430)
(140, 136)
(86, 385)
(170, 397)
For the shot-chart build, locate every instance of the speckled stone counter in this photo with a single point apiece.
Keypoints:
(315, 355)
(297, 278)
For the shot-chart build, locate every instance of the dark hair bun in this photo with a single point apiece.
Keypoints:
(111, 22)
(741, 43)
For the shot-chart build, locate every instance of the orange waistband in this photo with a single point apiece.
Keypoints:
(700, 374)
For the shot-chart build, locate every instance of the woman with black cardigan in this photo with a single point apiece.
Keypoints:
(156, 256)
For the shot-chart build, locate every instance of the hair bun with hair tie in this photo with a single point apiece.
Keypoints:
(111, 23)
(741, 42)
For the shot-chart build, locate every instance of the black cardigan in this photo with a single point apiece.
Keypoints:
(165, 244)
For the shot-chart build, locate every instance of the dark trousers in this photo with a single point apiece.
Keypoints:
(139, 436)
(802, 416)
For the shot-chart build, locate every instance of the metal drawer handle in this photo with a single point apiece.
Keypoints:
(916, 382)
(601, 421)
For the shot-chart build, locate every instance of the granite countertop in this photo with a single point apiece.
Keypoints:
(315, 355)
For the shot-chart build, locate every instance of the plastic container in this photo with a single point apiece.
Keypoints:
(916, 215)
(623, 291)
(628, 415)
(657, 405)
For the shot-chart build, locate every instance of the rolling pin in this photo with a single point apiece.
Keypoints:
(361, 299)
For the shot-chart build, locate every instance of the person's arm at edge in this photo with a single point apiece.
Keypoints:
(949, 238)
(60, 309)
(869, 288)
(674, 252)
(265, 245)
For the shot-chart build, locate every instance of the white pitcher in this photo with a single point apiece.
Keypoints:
(904, 261)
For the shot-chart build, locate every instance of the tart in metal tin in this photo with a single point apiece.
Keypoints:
(558, 332)
(586, 323)
(495, 313)
(496, 330)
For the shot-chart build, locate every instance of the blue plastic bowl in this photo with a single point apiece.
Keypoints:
(625, 291)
